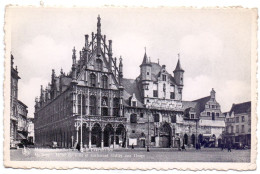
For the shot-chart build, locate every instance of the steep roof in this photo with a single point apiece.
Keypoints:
(178, 66)
(130, 88)
(241, 108)
(201, 103)
(145, 59)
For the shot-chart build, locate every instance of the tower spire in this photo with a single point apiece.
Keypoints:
(99, 36)
(145, 59)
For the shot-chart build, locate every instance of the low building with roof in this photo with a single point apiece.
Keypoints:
(238, 124)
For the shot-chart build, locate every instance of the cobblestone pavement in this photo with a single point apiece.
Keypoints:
(156, 154)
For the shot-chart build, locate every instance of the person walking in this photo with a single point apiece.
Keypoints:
(229, 147)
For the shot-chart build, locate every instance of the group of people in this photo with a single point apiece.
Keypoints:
(228, 146)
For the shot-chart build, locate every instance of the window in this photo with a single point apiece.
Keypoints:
(92, 79)
(104, 83)
(243, 129)
(237, 119)
(232, 129)
(133, 118)
(217, 114)
(208, 113)
(153, 139)
(99, 64)
(213, 106)
(147, 73)
(92, 105)
(172, 95)
(213, 116)
(155, 93)
(173, 119)
(192, 116)
(141, 115)
(79, 104)
(116, 107)
(243, 118)
(133, 131)
(134, 103)
(164, 77)
(156, 118)
(227, 129)
(104, 106)
(237, 128)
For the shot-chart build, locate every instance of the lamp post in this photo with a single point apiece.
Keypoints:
(148, 144)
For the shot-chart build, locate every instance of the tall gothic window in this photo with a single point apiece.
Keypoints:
(92, 79)
(79, 104)
(92, 105)
(104, 82)
(99, 64)
(156, 118)
(104, 106)
(116, 107)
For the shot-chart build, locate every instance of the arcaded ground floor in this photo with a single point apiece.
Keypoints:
(137, 154)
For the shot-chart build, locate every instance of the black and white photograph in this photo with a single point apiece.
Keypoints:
(161, 85)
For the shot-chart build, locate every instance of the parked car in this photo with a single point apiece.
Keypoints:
(238, 145)
(53, 145)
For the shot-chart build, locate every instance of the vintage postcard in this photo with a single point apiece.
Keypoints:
(130, 88)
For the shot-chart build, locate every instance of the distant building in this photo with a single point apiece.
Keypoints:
(30, 125)
(238, 124)
(120, 112)
(18, 117)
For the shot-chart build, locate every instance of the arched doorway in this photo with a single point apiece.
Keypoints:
(165, 135)
(185, 139)
(120, 135)
(108, 132)
(96, 135)
(193, 140)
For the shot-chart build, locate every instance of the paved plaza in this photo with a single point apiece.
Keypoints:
(160, 155)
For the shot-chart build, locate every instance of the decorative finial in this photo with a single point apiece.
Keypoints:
(61, 71)
(145, 49)
(178, 55)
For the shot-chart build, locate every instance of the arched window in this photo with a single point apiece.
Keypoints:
(104, 81)
(92, 105)
(92, 80)
(133, 118)
(99, 64)
(116, 107)
(104, 106)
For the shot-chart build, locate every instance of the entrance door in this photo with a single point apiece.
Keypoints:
(142, 143)
(165, 141)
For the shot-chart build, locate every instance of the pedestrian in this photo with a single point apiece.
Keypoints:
(133, 146)
(148, 150)
(78, 146)
(183, 147)
(222, 146)
(229, 147)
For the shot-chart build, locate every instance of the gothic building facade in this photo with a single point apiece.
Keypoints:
(94, 106)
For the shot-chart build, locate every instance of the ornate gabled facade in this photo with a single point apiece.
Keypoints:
(95, 102)
(91, 91)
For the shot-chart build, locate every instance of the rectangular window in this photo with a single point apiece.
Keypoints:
(156, 118)
(164, 77)
(242, 129)
(155, 93)
(213, 106)
(237, 119)
(141, 115)
(133, 118)
(232, 129)
(192, 116)
(153, 139)
(208, 113)
(237, 128)
(173, 119)
(213, 116)
(172, 95)
(217, 114)
(243, 118)
(134, 103)
(133, 131)
(147, 73)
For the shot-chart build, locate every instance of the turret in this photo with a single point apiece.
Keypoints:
(99, 37)
(178, 73)
(212, 94)
(145, 68)
(74, 65)
(120, 76)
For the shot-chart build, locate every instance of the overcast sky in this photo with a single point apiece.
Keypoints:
(214, 46)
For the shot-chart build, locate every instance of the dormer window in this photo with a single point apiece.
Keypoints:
(192, 116)
(134, 103)
(164, 77)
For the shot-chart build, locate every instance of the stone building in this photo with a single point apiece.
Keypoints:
(117, 112)
(238, 124)
(18, 117)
